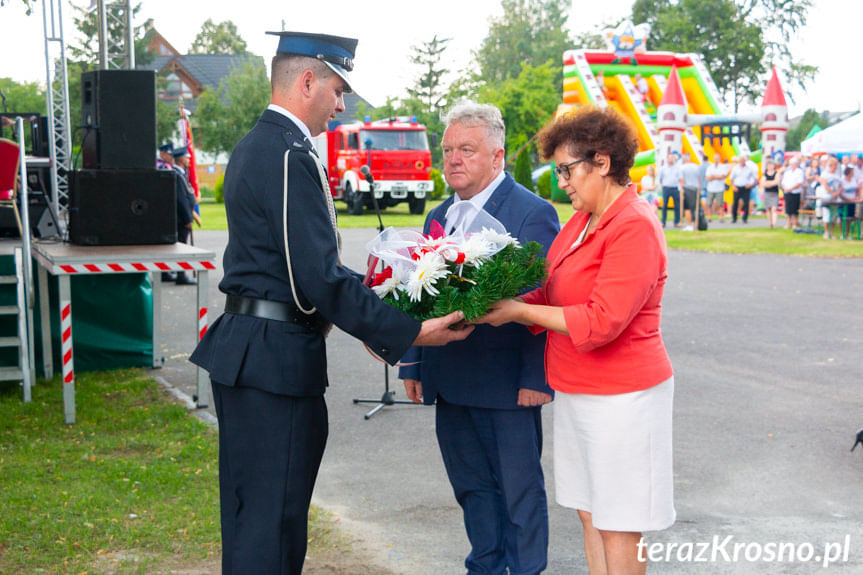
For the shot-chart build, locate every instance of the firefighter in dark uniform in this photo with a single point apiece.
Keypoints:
(166, 157)
(185, 209)
(285, 286)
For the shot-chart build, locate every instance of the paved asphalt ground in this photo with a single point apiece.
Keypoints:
(768, 358)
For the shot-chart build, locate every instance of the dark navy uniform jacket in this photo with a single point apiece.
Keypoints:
(185, 201)
(488, 368)
(282, 357)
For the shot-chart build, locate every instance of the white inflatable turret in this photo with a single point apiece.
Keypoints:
(774, 119)
(671, 119)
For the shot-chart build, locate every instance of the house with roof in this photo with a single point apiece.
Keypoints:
(186, 76)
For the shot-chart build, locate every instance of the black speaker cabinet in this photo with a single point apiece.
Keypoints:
(118, 112)
(122, 207)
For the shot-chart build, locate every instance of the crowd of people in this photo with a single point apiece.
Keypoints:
(825, 185)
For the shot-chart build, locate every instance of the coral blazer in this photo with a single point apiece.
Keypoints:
(610, 288)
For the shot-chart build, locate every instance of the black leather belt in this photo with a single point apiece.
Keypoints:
(275, 310)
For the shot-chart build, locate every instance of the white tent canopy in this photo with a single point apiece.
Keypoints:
(846, 137)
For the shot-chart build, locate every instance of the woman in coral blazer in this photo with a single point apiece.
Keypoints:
(604, 353)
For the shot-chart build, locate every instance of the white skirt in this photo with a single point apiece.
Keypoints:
(613, 457)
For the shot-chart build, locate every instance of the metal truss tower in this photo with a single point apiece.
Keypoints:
(57, 91)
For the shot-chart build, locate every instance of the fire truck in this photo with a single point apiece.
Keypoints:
(396, 150)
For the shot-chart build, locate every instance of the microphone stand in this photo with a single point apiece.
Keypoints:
(388, 398)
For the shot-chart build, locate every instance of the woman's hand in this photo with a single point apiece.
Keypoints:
(503, 312)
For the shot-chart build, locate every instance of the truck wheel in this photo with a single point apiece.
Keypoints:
(354, 201)
(417, 205)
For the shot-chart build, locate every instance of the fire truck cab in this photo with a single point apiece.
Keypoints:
(397, 153)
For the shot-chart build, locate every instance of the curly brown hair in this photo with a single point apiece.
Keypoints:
(589, 131)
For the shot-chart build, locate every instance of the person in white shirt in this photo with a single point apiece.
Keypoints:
(669, 179)
(828, 191)
(715, 176)
(792, 184)
(690, 179)
(743, 177)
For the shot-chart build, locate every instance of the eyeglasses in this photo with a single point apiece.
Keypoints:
(562, 170)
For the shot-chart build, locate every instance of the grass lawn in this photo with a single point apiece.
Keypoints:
(132, 487)
(762, 241)
(398, 217)
(716, 239)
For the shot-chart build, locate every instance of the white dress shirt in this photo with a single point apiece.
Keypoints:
(478, 201)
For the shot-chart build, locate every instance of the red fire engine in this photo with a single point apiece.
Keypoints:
(397, 153)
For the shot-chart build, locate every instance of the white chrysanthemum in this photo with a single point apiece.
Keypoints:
(389, 286)
(501, 239)
(476, 250)
(436, 243)
(429, 269)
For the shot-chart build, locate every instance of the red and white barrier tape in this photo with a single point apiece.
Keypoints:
(132, 267)
(66, 340)
(202, 323)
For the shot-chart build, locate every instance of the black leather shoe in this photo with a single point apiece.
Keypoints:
(184, 280)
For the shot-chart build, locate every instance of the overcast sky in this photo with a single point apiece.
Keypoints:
(388, 28)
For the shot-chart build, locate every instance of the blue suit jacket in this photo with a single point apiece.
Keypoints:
(489, 367)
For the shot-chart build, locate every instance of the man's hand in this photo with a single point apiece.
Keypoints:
(414, 390)
(436, 332)
(527, 397)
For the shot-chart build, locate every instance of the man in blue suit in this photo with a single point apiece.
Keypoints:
(490, 388)
(285, 287)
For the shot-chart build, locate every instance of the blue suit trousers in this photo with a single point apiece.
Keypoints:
(492, 458)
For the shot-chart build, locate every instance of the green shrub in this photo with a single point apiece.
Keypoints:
(217, 193)
(439, 184)
(522, 169)
(543, 185)
(207, 192)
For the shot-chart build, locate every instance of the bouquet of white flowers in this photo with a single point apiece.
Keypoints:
(432, 275)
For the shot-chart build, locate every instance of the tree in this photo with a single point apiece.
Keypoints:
(23, 98)
(529, 32)
(428, 88)
(522, 173)
(221, 38)
(87, 23)
(527, 102)
(27, 3)
(225, 115)
(27, 97)
(810, 119)
(739, 39)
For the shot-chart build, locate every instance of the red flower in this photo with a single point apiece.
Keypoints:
(381, 277)
(436, 230)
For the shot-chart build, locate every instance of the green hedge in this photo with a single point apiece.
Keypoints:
(217, 193)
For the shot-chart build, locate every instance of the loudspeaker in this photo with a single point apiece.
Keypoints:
(42, 223)
(122, 207)
(118, 111)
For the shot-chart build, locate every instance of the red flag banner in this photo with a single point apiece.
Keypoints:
(189, 143)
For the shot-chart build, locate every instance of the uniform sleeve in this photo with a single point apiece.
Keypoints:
(629, 272)
(184, 208)
(319, 279)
